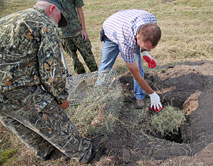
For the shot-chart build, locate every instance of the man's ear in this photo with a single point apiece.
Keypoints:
(138, 39)
(51, 9)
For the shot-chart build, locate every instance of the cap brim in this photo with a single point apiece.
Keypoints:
(63, 21)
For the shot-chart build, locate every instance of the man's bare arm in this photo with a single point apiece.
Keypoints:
(82, 20)
(134, 69)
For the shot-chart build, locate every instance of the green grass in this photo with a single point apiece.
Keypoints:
(186, 26)
(10, 6)
(7, 154)
(9, 145)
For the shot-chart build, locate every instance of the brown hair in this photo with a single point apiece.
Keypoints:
(150, 32)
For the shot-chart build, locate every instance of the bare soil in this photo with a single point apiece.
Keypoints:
(188, 86)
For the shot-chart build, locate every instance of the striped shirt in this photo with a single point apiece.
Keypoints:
(121, 28)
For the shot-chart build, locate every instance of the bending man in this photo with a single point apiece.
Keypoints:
(127, 32)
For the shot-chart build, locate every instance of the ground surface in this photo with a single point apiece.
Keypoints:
(188, 86)
(186, 34)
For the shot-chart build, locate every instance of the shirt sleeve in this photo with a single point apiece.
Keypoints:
(51, 69)
(127, 52)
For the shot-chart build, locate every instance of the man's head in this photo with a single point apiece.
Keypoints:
(54, 10)
(148, 36)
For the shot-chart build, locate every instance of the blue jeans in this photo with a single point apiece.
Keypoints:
(110, 51)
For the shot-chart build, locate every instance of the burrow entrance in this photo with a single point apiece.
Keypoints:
(181, 92)
(187, 87)
(175, 135)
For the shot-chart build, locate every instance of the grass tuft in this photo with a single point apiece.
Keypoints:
(7, 154)
(168, 120)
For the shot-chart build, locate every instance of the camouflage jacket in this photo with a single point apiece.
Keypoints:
(30, 53)
(73, 27)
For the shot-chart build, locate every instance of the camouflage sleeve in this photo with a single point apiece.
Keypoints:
(79, 3)
(51, 69)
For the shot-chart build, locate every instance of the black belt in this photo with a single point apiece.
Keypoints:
(102, 35)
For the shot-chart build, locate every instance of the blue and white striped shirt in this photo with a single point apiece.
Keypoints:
(121, 28)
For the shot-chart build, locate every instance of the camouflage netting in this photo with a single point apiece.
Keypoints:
(94, 109)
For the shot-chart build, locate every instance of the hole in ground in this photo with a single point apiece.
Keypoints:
(176, 134)
(173, 137)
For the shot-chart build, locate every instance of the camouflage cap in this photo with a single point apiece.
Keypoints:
(58, 3)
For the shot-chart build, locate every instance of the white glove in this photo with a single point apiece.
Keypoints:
(155, 102)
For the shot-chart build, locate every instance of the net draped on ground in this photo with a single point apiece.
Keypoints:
(94, 109)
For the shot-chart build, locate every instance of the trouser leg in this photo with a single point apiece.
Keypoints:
(78, 66)
(138, 91)
(55, 126)
(110, 52)
(70, 48)
(85, 48)
(41, 147)
(49, 121)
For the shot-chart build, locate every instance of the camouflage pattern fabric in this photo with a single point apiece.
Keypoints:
(72, 44)
(22, 113)
(30, 53)
(72, 36)
(73, 27)
(32, 85)
(32, 140)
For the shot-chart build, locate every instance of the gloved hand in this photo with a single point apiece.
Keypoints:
(150, 61)
(155, 102)
(64, 104)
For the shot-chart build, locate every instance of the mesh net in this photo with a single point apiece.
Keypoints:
(94, 108)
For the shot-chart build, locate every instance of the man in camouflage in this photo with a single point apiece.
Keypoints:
(32, 83)
(75, 36)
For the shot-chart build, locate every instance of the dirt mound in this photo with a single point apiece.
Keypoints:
(188, 86)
